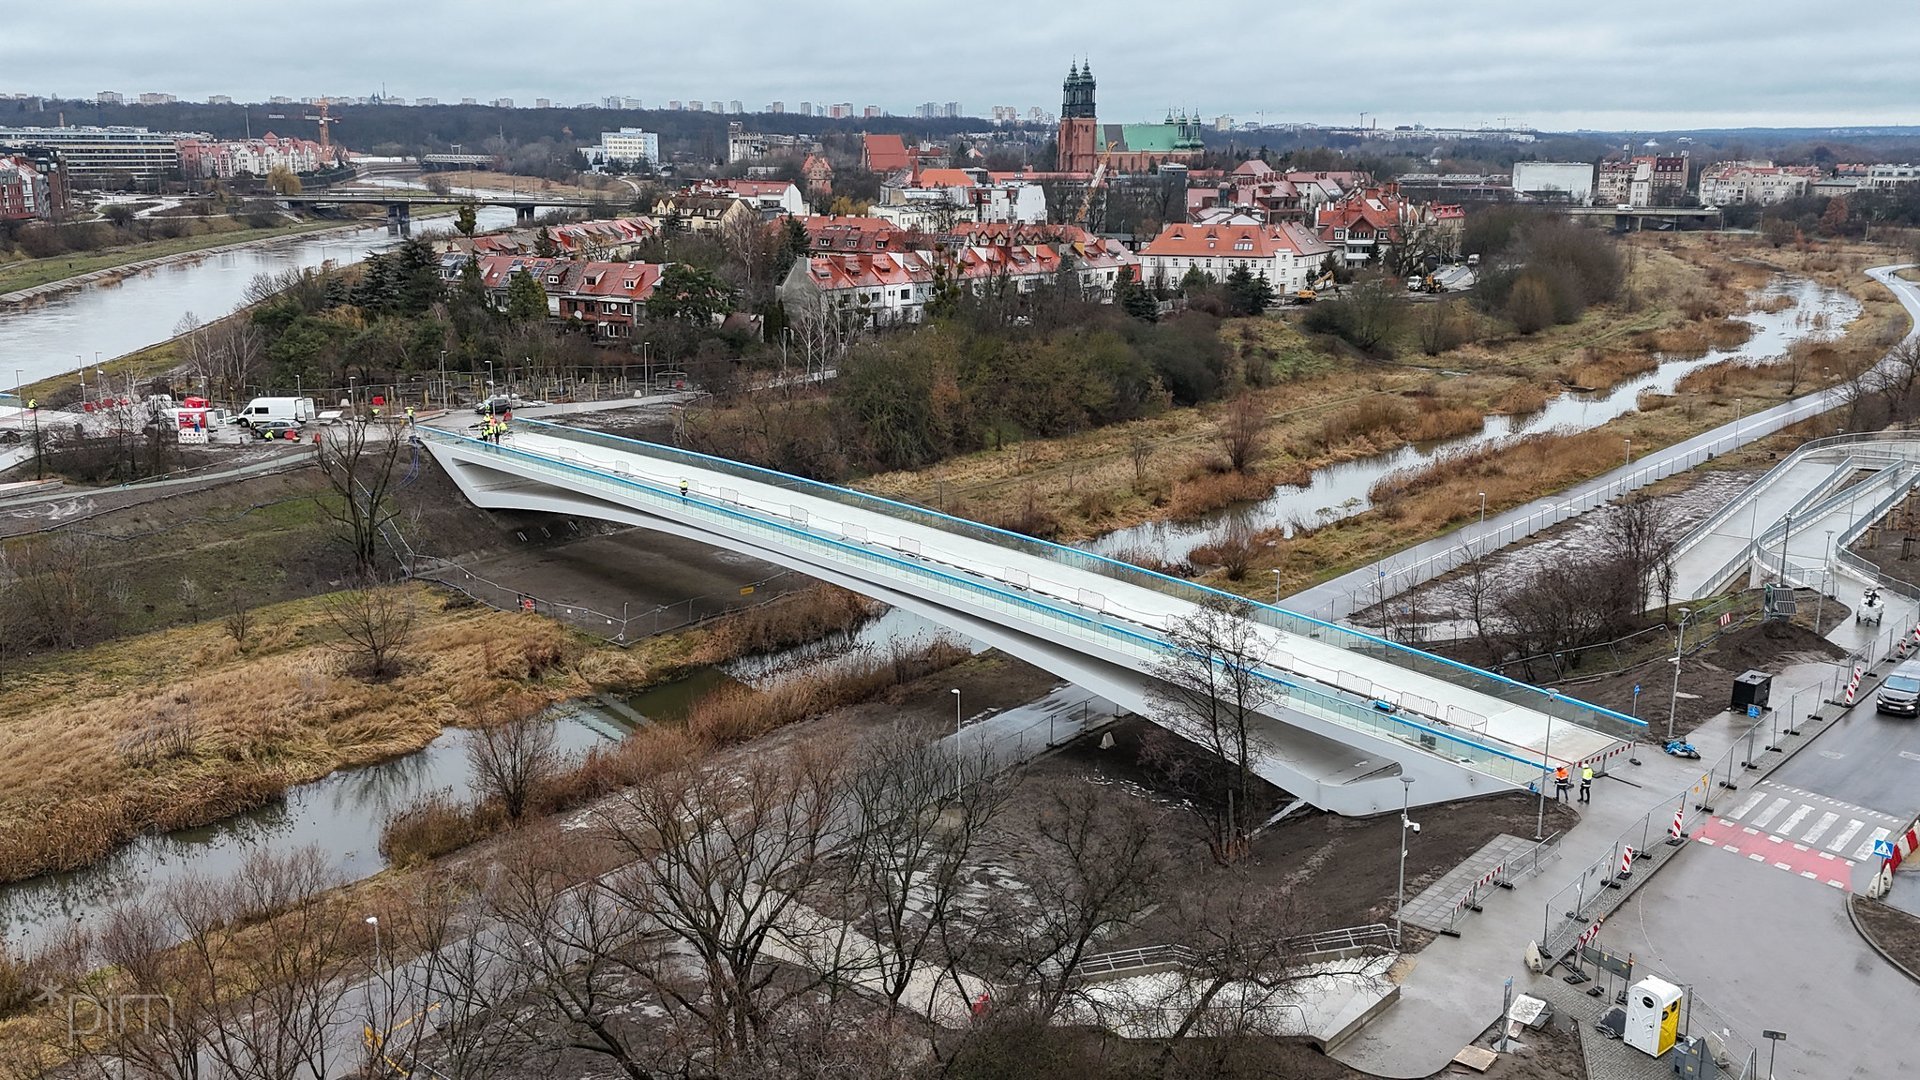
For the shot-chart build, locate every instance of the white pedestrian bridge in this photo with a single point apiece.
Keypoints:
(1349, 715)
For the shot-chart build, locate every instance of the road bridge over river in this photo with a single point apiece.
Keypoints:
(1350, 714)
(401, 201)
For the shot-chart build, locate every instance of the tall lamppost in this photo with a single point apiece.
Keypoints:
(1679, 642)
(378, 969)
(1546, 759)
(1406, 825)
(1483, 510)
(956, 741)
(1826, 582)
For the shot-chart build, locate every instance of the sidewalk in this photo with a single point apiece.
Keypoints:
(1453, 990)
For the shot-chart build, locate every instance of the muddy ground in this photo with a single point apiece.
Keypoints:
(1892, 929)
(1706, 677)
(1340, 871)
(1894, 545)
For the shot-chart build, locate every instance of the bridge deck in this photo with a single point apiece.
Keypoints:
(1523, 734)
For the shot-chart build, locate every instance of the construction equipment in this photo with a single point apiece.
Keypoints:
(325, 121)
(1086, 199)
(1312, 292)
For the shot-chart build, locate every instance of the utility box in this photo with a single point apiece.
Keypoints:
(1653, 1016)
(1752, 688)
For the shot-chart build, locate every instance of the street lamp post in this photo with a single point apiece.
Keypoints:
(1483, 510)
(646, 367)
(956, 741)
(1406, 825)
(1629, 453)
(1276, 586)
(378, 967)
(445, 401)
(1546, 758)
(1679, 642)
(1826, 583)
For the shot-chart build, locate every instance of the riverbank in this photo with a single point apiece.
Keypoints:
(191, 725)
(35, 280)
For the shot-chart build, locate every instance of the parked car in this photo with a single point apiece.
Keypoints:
(497, 404)
(263, 409)
(276, 429)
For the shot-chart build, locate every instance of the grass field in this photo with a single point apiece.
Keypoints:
(31, 273)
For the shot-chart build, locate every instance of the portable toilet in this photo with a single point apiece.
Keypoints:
(1653, 1016)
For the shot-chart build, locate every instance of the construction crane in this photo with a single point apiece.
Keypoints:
(1086, 200)
(326, 144)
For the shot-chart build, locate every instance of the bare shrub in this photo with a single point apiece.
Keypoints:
(511, 760)
(1242, 432)
(375, 624)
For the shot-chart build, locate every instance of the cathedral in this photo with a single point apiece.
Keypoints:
(1085, 143)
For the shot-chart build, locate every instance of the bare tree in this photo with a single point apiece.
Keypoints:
(1242, 430)
(1208, 690)
(63, 586)
(448, 1008)
(719, 860)
(375, 624)
(1139, 449)
(575, 951)
(1097, 872)
(511, 760)
(361, 477)
(919, 810)
(224, 355)
(1640, 533)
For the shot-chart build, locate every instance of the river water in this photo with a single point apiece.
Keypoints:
(69, 329)
(1340, 491)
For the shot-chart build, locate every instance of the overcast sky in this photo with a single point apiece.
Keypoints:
(1553, 64)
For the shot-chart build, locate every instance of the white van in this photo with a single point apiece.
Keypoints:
(300, 410)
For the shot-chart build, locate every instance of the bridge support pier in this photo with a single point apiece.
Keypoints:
(400, 219)
(523, 215)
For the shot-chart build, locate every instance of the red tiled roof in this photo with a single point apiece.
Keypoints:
(842, 234)
(885, 153)
(1235, 241)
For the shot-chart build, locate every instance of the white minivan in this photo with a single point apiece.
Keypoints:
(300, 410)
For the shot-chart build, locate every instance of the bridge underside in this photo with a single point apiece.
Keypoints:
(1338, 769)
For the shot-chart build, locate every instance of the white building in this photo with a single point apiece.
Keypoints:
(629, 146)
(933, 199)
(1286, 254)
(1761, 183)
(1570, 180)
(1887, 176)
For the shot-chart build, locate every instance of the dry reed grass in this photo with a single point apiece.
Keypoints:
(1603, 370)
(79, 769)
(1197, 496)
(1523, 398)
(795, 619)
(438, 825)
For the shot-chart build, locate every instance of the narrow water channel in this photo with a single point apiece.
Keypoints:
(341, 815)
(1340, 491)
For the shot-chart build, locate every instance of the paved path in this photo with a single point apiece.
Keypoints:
(1339, 597)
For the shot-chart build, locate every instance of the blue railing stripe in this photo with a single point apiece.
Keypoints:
(671, 497)
(726, 464)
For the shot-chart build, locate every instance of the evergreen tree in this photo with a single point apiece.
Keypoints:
(688, 294)
(1134, 299)
(544, 245)
(526, 300)
(1250, 294)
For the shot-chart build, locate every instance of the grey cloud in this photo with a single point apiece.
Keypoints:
(1633, 63)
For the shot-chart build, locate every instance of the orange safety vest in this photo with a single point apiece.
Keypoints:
(1560, 774)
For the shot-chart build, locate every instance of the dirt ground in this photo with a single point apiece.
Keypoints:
(1890, 545)
(1706, 678)
(1892, 929)
(1341, 871)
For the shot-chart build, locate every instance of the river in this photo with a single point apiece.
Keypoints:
(1340, 491)
(107, 320)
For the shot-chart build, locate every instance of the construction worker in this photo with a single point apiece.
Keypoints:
(1562, 784)
(409, 416)
(683, 487)
(1586, 783)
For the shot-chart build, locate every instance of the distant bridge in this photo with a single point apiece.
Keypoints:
(1636, 217)
(401, 201)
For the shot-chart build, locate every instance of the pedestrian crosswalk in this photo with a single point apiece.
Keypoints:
(1812, 821)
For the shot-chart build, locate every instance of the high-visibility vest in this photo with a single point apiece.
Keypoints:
(1586, 775)
(1560, 774)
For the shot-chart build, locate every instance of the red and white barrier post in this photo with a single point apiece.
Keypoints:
(1853, 684)
(1678, 830)
(1626, 863)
